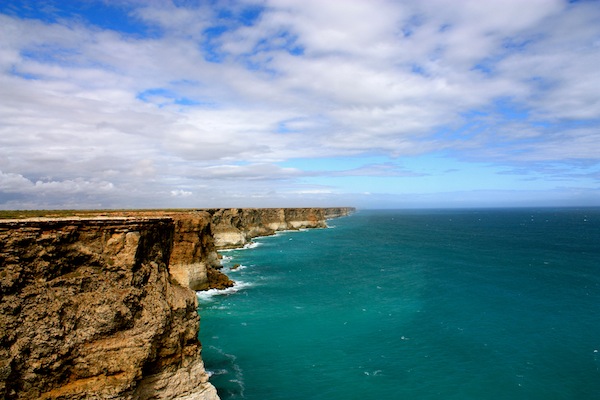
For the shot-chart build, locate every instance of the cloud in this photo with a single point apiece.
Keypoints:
(16, 183)
(190, 95)
(181, 193)
(380, 170)
(262, 172)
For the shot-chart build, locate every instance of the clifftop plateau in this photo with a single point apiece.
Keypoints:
(100, 304)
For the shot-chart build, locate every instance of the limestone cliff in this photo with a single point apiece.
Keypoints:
(89, 310)
(198, 234)
(235, 227)
(337, 212)
(98, 305)
(194, 261)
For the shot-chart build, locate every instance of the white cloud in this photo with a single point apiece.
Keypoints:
(265, 172)
(16, 183)
(181, 193)
(379, 170)
(87, 110)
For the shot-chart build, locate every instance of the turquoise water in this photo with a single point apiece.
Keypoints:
(462, 304)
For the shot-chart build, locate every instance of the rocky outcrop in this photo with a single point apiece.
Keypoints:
(89, 310)
(194, 260)
(338, 212)
(235, 227)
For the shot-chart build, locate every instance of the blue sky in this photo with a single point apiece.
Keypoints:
(374, 104)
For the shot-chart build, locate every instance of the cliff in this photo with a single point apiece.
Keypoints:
(194, 261)
(235, 227)
(98, 305)
(338, 212)
(89, 310)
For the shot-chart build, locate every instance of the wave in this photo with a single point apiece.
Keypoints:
(232, 367)
(216, 373)
(238, 268)
(207, 295)
(249, 245)
(287, 231)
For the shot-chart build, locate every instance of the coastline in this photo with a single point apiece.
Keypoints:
(237, 286)
(377, 320)
(110, 299)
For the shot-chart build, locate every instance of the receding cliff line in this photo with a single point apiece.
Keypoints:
(200, 233)
(89, 310)
(100, 305)
(235, 227)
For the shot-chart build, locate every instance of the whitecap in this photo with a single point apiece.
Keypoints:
(217, 372)
(249, 245)
(238, 268)
(221, 307)
(237, 370)
(207, 295)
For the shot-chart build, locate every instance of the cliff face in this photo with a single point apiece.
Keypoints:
(194, 261)
(235, 227)
(198, 234)
(337, 212)
(89, 311)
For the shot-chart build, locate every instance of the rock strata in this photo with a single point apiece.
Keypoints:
(90, 311)
(235, 227)
(194, 261)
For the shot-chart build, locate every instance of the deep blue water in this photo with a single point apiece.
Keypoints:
(447, 304)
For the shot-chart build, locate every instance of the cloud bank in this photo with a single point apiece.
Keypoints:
(266, 103)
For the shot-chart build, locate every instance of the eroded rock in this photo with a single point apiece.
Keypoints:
(89, 310)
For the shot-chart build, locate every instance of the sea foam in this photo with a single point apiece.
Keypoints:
(207, 295)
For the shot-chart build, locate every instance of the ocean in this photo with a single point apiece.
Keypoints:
(413, 304)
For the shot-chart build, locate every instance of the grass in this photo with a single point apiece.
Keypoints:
(21, 214)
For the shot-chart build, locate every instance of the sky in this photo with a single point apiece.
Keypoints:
(289, 103)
